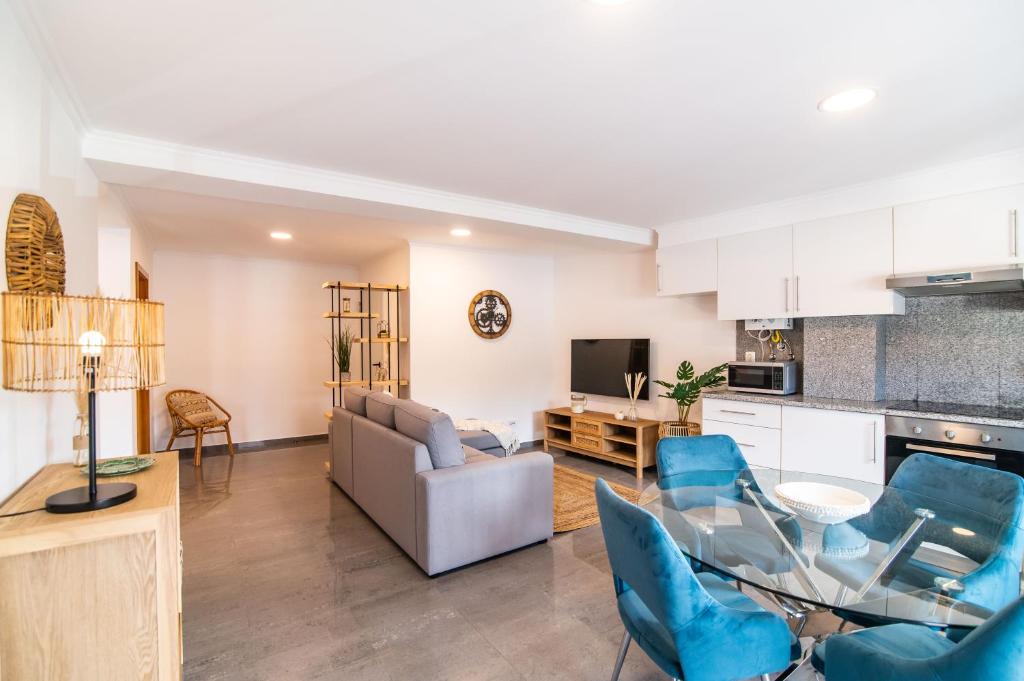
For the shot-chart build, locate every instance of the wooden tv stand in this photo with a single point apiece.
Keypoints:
(601, 436)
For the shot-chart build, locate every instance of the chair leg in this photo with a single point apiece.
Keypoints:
(765, 677)
(170, 443)
(622, 655)
(231, 445)
(198, 460)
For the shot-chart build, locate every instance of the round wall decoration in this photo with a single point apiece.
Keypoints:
(490, 314)
(35, 246)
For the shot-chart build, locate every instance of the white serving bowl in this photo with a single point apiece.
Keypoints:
(821, 503)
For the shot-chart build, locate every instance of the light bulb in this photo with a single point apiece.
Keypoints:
(92, 343)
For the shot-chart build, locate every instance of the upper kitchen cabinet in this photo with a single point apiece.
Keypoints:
(688, 268)
(840, 265)
(755, 272)
(979, 229)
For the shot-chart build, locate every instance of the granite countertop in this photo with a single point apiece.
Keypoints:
(880, 407)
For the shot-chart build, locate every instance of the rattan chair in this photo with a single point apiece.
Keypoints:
(191, 414)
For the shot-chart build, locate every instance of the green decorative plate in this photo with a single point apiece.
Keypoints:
(122, 466)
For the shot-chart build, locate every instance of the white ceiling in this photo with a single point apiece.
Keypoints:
(643, 114)
(212, 224)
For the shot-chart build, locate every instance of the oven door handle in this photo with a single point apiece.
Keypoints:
(958, 453)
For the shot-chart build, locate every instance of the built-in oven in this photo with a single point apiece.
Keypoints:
(998, 447)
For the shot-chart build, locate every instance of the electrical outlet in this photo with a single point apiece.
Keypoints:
(781, 323)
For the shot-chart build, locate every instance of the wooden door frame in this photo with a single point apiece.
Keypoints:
(143, 444)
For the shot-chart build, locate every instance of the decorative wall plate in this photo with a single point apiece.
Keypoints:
(35, 246)
(490, 314)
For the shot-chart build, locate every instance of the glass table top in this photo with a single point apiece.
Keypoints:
(901, 560)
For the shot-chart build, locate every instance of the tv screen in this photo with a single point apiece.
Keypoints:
(599, 365)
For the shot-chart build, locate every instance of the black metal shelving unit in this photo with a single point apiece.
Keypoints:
(389, 347)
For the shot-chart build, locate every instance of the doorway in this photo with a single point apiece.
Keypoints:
(142, 396)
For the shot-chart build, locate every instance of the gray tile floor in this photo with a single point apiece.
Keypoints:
(285, 578)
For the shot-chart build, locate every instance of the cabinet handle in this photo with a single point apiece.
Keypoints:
(874, 442)
(797, 289)
(1013, 232)
(730, 411)
(786, 285)
(659, 277)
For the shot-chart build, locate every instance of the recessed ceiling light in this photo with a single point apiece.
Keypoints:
(845, 101)
(281, 236)
(460, 231)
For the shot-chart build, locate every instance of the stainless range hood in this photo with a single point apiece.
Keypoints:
(958, 283)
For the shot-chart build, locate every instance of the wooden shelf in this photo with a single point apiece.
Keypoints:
(350, 315)
(363, 285)
(602, 436)
(380, 340)
(363, 384)
(328, 415)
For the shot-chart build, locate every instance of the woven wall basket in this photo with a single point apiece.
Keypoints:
(35, 246)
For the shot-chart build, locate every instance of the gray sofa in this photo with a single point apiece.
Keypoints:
(444, 504)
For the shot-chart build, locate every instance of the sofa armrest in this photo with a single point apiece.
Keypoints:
(481, 509)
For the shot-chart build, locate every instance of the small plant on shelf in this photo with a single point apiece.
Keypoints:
(687, 391)
(341, 348)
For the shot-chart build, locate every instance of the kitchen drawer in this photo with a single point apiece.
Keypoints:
(748, 413)
(760, 446)
(587, 427)
(587, 442)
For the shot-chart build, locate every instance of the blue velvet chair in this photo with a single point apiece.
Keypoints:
(713, 464)
(907, 652)
(694, 627)
(987, 503)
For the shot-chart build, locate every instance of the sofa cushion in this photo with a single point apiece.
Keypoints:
(380, 407)
(434, 429)
(355, 399)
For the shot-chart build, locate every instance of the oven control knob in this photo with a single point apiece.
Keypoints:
(950, 434)
(985, 437)
(917, 430)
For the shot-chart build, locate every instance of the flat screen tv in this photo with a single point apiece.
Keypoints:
(599, 365)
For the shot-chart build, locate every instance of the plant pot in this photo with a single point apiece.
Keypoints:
(678, 429)
(344, 376)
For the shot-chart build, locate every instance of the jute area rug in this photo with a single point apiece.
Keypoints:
(575, 505)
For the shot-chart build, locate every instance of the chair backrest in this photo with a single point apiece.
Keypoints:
(992, 651)
(644, 558)
(188, 404)
(986, 501)
(678, 455)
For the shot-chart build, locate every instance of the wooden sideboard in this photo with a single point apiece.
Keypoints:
(95, 595)
(602, 436)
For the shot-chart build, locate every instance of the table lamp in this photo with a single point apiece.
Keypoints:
(58, 343)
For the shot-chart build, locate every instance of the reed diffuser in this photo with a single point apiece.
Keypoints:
(634, 382)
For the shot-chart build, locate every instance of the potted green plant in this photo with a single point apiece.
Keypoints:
(341, 348)
(686, 392)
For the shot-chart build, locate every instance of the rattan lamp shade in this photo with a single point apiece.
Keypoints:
(41, 333)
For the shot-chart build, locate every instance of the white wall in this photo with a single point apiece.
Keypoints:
(248, 331)
(613, 296)
(40, 154)
(453, 369)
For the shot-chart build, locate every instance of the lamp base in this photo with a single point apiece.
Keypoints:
(77, 500)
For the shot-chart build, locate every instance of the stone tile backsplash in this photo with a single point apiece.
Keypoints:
(964, 349)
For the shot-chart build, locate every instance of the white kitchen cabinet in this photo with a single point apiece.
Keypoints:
(760, 446)
(755, 272)
(840, 265)
(954, 233)
(844, 444)
(688, 268)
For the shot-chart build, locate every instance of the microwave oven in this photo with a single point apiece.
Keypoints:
(774, 378)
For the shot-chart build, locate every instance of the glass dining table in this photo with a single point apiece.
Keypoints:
(907, 559)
